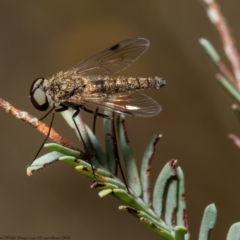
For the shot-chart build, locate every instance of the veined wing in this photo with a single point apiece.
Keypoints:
(134, 104)
(113, 59)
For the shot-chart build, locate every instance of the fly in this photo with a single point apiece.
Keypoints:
(90, 85)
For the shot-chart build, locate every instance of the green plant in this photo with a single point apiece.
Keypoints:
(164, 212)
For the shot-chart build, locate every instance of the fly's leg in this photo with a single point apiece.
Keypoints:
(50, 126)
(94, 120)
(46, 138)
(64, 108)
(85, 146)
(47, 113)
(96, 113)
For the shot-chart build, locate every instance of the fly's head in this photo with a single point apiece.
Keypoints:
(38, 95)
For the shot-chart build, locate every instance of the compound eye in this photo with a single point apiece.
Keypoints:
(38, 96)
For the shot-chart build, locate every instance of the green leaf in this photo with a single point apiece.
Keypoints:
(133, 202)
(146, 167)
(140, 214)
(104, 193)
(170, 203)
(77, 162)
(67, 115)
(180, 233)
(161, 188)
(42, 161)
(161, 232)
(208, 222)
(234, 232)
(210, 50)
(181, 216)
(74, 161)
(99, 154)
(110, 142)
(87, 171)
(129, 199)
(93, 147)
(103, 186)
(130, 163)
(61, 149)
(88, 144)
(229, 87)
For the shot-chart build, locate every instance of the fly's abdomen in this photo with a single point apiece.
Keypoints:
(128, 84)
(122, 84)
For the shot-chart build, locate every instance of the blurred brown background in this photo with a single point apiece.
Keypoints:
(39, 38)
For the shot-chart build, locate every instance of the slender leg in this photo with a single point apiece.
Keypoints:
(50, 126)
(117, 160)
(47, 113)
(49, 130)
(64, 108)
(77, 111)
(123, 176)
(73, 118)
(85, 146)
(94, 120)
(95, 113)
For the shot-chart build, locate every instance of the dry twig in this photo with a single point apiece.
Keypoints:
(217, 18)
(38, 125)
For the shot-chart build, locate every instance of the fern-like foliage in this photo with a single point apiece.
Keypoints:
(164, 212)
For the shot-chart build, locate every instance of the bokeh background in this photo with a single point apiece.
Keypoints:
(40, 38)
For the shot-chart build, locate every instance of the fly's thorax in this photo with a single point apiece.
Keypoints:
(63, 86)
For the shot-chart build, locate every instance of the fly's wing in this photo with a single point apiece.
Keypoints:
(112, 59)
(134, 104)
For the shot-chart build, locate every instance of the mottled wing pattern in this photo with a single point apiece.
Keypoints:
(112, 59)
(134, 104)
